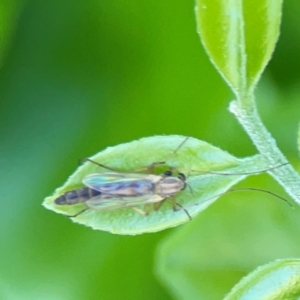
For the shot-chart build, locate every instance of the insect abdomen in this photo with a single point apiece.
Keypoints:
(76, 196)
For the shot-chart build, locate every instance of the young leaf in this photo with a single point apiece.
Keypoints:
(277, 280)
(194, 158)
(239, 37)
(9, 13)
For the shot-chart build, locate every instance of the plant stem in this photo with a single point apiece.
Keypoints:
(245, 111)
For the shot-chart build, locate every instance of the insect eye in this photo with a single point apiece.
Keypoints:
(168, 173)
(181, 176)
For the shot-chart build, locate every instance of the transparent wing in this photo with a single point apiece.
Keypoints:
(108, 202)
(122, 184)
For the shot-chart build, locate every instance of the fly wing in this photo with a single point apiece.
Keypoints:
(108, 202)
(121, 184)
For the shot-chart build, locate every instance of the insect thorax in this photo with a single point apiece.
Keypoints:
(169, 186)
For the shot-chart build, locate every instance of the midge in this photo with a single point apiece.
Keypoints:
(115, 190)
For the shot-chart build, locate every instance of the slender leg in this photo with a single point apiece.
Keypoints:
(79, 213)
(140, 211)
(153, 165)
(190, 189)
(180, 145)
(157, 205)
(98, 164)
(150, 168)
(176, 205)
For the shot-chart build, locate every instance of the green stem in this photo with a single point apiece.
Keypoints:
(246, 113)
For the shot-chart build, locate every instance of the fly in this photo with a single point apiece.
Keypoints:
(114, 190)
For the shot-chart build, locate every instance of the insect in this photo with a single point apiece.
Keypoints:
(113, 190)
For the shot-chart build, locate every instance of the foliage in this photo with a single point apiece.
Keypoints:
(78, 76)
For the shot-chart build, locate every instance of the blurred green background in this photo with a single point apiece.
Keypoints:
(78, 76)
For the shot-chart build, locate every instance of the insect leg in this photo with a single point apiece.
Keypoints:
(98, 164)
(79, 213)
(140, 211)
(157, 205)
(153, 165)
(150, 168)
(175, 150)
(263, 191)
(239, 190)
(175, 204)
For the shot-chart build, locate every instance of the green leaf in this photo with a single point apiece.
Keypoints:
(298, 139)
(9, 11)
(239, 37)
(205, 258)
(194, 158)
(276, 280)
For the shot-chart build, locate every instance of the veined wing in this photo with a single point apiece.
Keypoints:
(122, 184)
(109, 202)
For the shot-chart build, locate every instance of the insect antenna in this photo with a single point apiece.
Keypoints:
(246, 173)
(263, 191)
(245, 189)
